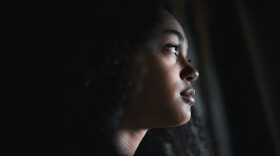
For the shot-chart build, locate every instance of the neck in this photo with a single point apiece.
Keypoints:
(127, 140)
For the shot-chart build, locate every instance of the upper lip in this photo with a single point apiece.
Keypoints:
(188, 95)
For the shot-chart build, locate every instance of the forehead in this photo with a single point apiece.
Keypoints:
(169, 24)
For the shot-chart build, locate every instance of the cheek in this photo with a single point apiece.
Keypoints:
(168, 102)
(157, 93)
(170, 79)
(168, 85)
(163, 78)
(158, 82)
(164, 87)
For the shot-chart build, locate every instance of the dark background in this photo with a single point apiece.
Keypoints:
(240, 41)
(237, 41)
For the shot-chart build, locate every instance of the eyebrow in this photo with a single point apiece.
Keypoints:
(178, 34)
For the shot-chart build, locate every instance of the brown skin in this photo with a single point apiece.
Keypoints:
(161, 73)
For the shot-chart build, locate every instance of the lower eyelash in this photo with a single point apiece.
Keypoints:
(175, 46)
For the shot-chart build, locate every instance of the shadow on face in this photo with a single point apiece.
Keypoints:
(162, 95)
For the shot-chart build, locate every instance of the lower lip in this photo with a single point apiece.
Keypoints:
(188, 99)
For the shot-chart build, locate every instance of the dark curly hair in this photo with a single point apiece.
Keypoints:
(97, 45)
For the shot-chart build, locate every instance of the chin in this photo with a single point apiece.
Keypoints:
(184, 116)
(186, 120)
(180, 120)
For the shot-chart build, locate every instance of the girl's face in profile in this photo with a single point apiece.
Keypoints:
(163, 95)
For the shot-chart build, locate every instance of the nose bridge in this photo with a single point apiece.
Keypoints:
(188, 72)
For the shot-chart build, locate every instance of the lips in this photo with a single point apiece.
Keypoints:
(188, 96)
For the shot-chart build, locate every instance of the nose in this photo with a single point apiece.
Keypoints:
(189, 73)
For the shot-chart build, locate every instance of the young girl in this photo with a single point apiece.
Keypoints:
(128, 72)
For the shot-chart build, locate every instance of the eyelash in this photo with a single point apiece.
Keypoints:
(176, 48)
(173, 45)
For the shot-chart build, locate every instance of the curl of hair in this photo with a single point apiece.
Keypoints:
(97, 73)
(98, 47)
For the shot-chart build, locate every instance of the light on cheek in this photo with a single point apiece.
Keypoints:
(172, 60)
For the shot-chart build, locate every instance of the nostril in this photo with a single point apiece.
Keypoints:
(189, 74)
(192, 78)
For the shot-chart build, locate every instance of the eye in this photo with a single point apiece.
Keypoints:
(172, 47)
